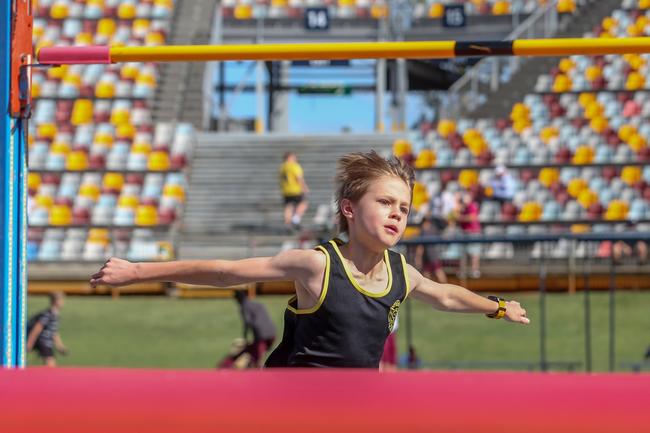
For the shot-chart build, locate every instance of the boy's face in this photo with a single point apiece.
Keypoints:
(379, 217)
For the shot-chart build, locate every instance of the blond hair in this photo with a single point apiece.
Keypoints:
(356, 172)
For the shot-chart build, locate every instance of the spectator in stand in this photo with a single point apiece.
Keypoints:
(470, 224)
(427, 257)
(43, 331)
(503, 185)
(294, 189)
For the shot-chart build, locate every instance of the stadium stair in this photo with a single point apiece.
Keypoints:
(499, 103)
(234, 199)
(179, 96)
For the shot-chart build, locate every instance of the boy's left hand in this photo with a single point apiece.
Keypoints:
(515, 313)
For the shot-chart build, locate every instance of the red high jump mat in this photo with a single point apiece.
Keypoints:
(119, 400)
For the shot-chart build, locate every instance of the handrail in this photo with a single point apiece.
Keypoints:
(452, 107)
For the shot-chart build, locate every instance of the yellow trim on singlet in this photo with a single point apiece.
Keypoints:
(323, 292)
(406, 277)
(354, 282)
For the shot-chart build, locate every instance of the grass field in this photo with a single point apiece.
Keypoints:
(156, 332)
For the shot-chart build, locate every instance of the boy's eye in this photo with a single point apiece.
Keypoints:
(404, 210)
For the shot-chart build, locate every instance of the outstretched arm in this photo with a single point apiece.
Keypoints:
(288, 265)
(449, 297)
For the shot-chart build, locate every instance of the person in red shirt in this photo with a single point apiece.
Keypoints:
(470, 224)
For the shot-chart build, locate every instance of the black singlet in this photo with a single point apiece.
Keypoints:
(348, 326)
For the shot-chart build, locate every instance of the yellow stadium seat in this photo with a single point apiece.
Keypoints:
(59, 10)
(141, 147)
(99, 236)
(644, 4)
(635, 81)
(547, 133)
(530, 211)
(401, 148)
(520, 125)
(566, 65)
(36, 89)
(587, 198)
(164, 3)
(46, 130)
(608, 23)
(105, 89)
(113, 181)
(128, 201)
(106, 27)
(33, 181)
(146, 78)
(477, 145)
(243, 12)
(378, 11)
(60, 215)
(637, 142)
(580, 228)
(103, 138)
(566, 6)
(120, 115)
(140, 27)
(146, 215)
(501, 8)
(468, 178)
(593, 109)
(583, 155)
(84, 38)
(599, 124)
(58, 73)
(625, 132)
(60, 147)
(129, 71)
(175, 191)
(44, 201)
(126, 11)
(576, 186)
(519, 111)
(549, 176)
(89, 190)
(72, 79)
(426, 159)
(593, 73)
(631, 175)
(420, 195)
(586, 98)
(446, 128)
(158, 161)
(125, 130)
(154, 38)
(562, 83)
(616, 210)
(82, 112)
(436, 10)
(633, 30)
(76, 161)
(411, 232)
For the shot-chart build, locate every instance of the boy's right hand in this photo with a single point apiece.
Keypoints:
(115, 272)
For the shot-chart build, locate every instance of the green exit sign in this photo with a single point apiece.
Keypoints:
(325, 90)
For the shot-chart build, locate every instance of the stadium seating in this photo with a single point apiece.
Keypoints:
(573, 148)
(99, 166)
(377, 9)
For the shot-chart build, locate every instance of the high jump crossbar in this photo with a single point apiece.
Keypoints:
(345, 50)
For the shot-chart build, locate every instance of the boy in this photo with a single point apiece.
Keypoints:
(347, 294)
(43, 331)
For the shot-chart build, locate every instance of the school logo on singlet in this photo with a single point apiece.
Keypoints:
(392, 314)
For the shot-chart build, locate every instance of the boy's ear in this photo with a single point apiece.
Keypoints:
(346, 208)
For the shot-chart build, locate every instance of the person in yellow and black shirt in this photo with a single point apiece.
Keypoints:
(348, 294)
(294, 189)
